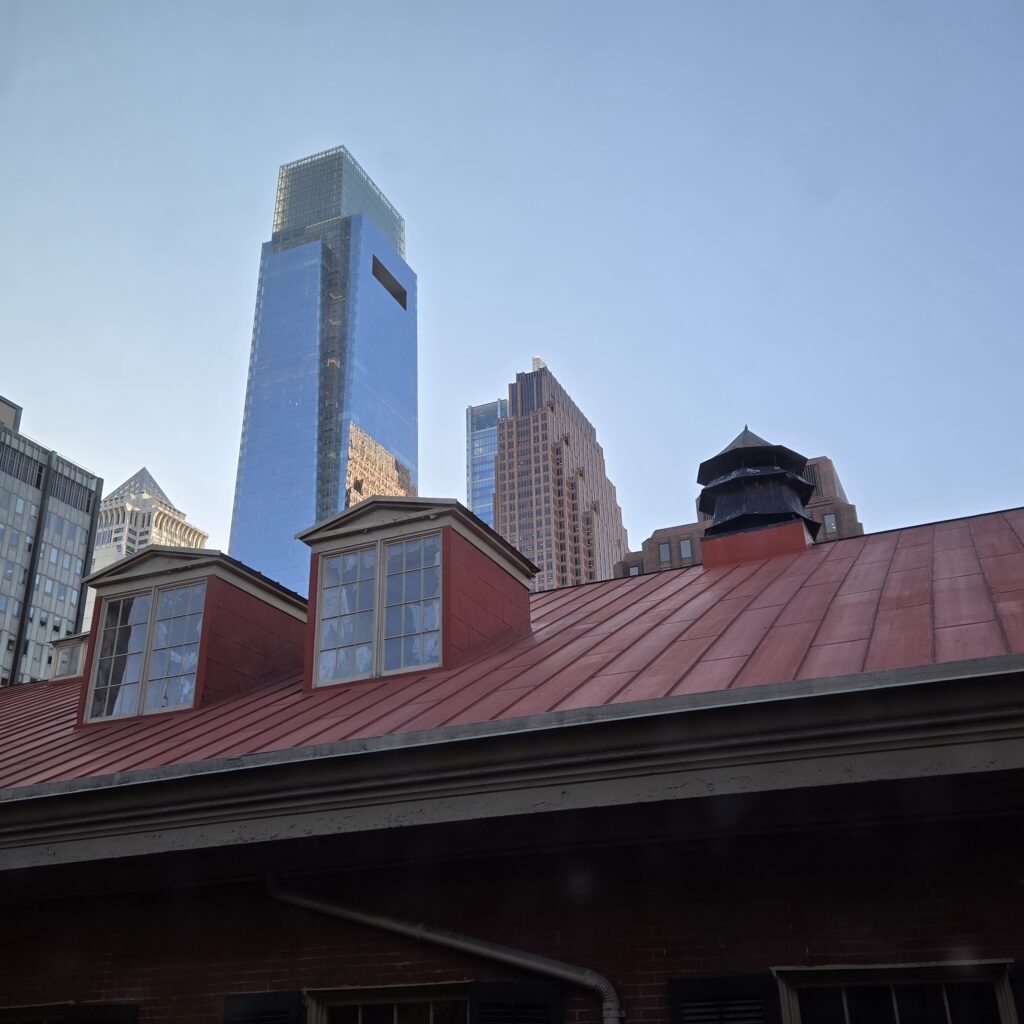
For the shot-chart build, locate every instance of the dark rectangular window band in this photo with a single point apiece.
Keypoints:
(750, 998)
(100, 1013)
(265, 1008)
(391, 283)
(515, 1002)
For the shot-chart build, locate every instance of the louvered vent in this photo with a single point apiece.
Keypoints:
(742, 999)
(264, 1008)
(722, 1011)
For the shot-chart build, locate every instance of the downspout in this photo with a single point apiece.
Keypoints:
(611, 1012)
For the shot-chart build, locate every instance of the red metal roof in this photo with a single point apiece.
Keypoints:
(943, 592)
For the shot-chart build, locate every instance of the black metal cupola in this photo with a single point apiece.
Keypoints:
(752, 484)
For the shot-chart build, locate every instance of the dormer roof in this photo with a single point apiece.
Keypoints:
(155, 561)
(383, 512)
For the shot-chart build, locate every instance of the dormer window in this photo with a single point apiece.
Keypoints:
(374, 622)
(148, 651)
(405, 584)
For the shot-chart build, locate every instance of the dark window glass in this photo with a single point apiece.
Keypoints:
(822, 1005)
(870, 1004)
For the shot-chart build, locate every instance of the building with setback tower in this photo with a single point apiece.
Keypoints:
(553, 499)
(330, 408)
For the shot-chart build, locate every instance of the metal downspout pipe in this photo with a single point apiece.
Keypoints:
(611, 1012)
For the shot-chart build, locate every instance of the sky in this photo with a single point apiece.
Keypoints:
(806, 217)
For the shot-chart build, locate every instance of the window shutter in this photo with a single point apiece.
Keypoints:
(737, 999)
(264, 1008)
(101, 1013)
(515, 1002)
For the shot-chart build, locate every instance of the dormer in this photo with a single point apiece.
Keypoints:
(407, 584)
(176, 628)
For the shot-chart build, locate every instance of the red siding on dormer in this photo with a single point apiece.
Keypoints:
(244, 640)
(479, 598)
(309, 663)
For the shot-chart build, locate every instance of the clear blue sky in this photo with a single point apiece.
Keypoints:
(803, 216)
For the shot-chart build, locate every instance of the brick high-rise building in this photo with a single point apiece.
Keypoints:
(553, 498)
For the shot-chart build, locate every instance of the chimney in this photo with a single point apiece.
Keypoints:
(755, 495)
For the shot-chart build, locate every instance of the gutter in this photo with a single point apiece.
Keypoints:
(611, 1011)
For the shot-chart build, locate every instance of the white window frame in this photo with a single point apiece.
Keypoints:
(319, 1003)
(154, 593)
(379, 595)
(992, 972)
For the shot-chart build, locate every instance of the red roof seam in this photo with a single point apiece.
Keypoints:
(993, 595)
(874, 615)
(682, 581)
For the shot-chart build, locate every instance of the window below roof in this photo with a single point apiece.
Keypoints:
(379, 609)
(147, 652)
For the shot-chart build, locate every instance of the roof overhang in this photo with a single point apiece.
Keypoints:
(946, 721)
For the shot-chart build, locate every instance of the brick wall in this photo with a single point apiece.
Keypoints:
(480, 599)
(244, 640)
(641, 915)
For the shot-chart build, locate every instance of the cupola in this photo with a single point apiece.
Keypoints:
(407, 584)
(755, 496)
(177, 628)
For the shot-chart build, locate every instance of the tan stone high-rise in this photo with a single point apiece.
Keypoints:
(132, 516)
(552, 497)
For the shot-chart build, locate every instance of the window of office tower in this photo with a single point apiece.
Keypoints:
(379, 609)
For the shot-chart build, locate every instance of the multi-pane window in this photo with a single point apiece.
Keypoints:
(929, 1003)
(685, 549)
(143, 652)
(418, 1011)
(122, 646)
(664, 551)
(172, 665)
(375, 622)
(346, 615)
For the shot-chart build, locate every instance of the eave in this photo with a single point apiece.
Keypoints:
(949, 720)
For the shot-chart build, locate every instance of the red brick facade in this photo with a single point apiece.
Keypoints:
(641, 915)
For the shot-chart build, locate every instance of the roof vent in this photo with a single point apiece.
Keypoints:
(749, 487)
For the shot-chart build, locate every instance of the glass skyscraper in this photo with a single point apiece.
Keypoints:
(48, 513)
(330, 406)
(481, 448)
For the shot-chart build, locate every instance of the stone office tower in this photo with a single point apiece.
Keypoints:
(553, 499)
(330, 407)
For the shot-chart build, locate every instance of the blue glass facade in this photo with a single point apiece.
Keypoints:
(481, 448)
(330, 409)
